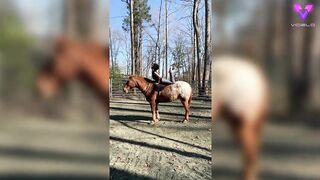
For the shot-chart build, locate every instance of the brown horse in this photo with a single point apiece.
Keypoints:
(240, 96)
(161, 93)
(85, 61)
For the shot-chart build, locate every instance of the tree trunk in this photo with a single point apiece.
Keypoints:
(111, 49)
(269, 38)
(299, 74)
(315, 73)
(197, 38)
(132, 36)
(166, 43)
(137, 30)
(139, 59)
(194, 51)
(288, 39)
(136, 47)
(305, 80)
(78, 19)
(206, 70)
(157, 51)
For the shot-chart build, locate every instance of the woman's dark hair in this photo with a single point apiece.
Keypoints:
(155, 66)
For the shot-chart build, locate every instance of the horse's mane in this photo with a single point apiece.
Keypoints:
(145, 78)
(149, 80)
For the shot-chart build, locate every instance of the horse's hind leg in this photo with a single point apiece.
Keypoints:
(249, 142)
(185, 103)
(189, 102)
(247, 135)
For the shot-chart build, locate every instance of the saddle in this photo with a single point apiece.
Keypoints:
(159, 86)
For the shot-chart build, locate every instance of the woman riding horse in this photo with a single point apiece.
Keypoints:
(158, 79)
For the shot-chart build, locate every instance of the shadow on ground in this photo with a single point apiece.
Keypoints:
(118, 174)
(164, 137)
(22, 176)
(129, 118)
(34, 154)
(228, 173)
(168, 149)
(164, 113)
(138, 118)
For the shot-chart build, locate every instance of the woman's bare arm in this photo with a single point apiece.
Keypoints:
(159, 77)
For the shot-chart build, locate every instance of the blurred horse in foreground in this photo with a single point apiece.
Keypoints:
(240, 96)
(75, 60)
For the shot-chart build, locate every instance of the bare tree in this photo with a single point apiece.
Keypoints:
(299, 72)
(315, 73)
(194, 54)
(157, 51)
(206, 59)
(269, 36)
(197, 40)
(132, 39)
(305, 79)
(115, 39)
(78, 18)
(111, 49)
(166, 39)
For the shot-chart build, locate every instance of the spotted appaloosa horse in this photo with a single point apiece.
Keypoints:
(75, 60)
(240, 96)
(156, 93)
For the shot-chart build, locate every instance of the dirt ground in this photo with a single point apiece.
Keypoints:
(290, 151)
(34, 148)
(169, 150)
(172, 150)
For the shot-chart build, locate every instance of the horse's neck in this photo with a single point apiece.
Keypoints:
(145, 87)
(96, 75)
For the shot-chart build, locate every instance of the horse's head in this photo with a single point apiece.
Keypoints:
(131, 83)
(63, 66)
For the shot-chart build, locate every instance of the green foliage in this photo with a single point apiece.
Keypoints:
(17, 71)
(115, 72)
(141, 14)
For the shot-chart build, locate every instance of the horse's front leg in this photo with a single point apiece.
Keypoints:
(157, 111)
(154, 113)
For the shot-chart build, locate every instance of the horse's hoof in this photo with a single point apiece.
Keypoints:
(185, 121)
(153, 123)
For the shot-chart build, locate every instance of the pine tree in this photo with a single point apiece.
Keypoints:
(141, 15)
